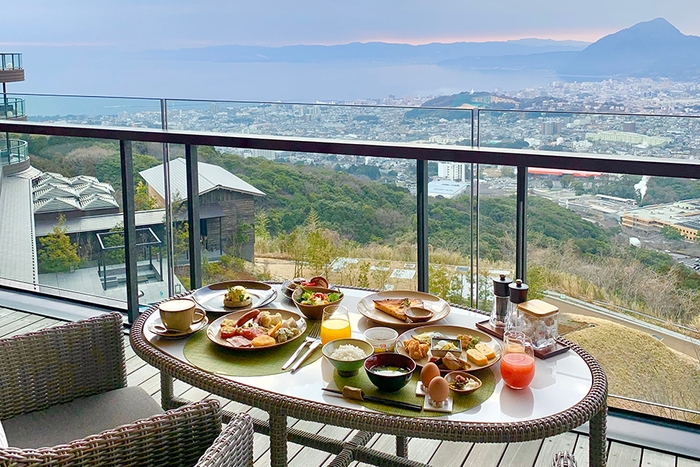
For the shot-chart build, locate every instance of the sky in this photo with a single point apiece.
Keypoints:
(172, 24)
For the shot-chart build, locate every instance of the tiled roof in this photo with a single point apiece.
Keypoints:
(210, 177)
(55, 193)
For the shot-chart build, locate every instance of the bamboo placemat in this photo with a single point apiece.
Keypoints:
(461, 402)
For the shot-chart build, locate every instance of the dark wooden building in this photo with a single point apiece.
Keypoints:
(227, 210)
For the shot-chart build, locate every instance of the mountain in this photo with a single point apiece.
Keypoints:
(371, 52)
(653, 49)
(650, 49)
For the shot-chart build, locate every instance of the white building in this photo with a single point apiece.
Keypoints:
(455, 171)
(446, 188)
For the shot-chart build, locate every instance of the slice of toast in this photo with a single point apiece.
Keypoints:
(397, 307)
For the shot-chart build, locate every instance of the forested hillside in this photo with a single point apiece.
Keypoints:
(366, 211)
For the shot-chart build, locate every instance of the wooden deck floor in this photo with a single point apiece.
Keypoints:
(437, 453)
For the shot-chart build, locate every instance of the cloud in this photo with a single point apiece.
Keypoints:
(147, 24)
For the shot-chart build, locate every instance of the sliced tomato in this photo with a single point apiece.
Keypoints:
(251, 333)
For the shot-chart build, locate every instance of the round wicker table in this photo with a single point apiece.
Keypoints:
(568, 391)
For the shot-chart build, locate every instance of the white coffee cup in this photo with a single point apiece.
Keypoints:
(180, 314)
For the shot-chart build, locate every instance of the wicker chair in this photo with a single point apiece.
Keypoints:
(65, 387)
(563, 459)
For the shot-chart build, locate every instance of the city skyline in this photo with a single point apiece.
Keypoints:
(158, 24)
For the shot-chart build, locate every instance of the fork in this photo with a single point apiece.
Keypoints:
(313, 335)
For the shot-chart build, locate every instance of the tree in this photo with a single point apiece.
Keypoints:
(143, 201)
(671, 233)
(363, 279)
(507, 171)
(115, 238)
(578, 187)
(56, 252)
(566, 180)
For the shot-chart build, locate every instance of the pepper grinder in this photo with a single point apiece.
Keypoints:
(501, 295)
(518, 294)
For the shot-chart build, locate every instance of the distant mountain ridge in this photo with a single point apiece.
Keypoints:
(380, 52)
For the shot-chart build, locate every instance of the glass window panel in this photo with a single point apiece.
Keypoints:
(102, 111)
(301, 215)
(329, 121)
(618, 255)
(71, 193)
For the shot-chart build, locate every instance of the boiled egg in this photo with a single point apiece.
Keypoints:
(429, 371)
(439, 390)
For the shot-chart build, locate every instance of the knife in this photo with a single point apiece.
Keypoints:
(311, 348)
(350, 392)
(295, 355)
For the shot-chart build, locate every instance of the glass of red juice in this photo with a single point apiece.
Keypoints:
(518, 360)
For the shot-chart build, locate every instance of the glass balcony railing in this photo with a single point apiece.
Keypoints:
(12, 107)
(10, 61)
(331, 121)
(596, 212)
(13, 151)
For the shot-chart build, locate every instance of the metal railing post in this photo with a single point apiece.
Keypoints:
(193, 216)
(169, 240)
(521, 225)
(474, 292)
(422, 223)
(132, 294)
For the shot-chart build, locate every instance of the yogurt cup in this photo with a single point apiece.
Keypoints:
(382, 339)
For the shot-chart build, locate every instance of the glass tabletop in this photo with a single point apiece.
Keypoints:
(560, 382)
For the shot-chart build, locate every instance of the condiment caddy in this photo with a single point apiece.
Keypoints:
(536, 318)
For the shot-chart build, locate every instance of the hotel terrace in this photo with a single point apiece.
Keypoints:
(643, 433)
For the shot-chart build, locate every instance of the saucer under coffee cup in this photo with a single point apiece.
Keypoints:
(180, 314)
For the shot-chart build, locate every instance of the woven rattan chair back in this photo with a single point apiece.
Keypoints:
(60, 364)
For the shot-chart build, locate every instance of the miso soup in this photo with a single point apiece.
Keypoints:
(389, 370)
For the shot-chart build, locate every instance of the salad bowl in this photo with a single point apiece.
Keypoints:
(312, 300)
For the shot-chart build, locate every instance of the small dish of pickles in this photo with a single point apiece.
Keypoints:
(462, 382)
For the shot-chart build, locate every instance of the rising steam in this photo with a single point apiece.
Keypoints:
(641, 187)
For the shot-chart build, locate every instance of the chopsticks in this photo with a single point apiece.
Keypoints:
(350, 392)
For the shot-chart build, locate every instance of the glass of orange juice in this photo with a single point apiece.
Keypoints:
(335, 324)
(518, 360)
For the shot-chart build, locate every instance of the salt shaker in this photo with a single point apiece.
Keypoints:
(518, 294)
(501, 295)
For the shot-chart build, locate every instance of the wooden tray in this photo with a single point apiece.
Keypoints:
(558, 348)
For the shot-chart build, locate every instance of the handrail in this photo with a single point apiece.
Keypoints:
(635, 165)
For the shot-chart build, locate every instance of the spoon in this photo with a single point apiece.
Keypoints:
(161, 328)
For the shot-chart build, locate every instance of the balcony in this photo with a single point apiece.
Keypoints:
(12, 109)
(11, 68)
(513, 246)
(13, 152)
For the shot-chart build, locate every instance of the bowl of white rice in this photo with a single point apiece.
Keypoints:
(347, 355)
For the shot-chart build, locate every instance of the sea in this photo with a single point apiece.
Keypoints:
(87, 73)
